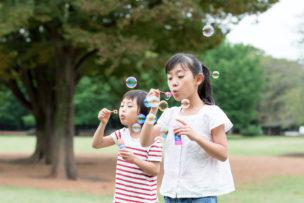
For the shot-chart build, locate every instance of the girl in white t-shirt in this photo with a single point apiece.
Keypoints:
(137, 167)
(196, 165)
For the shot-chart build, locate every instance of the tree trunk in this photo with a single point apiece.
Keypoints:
(63, 163)
(44, 132)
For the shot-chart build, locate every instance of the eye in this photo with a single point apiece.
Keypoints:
(169, 78)
(180, 76)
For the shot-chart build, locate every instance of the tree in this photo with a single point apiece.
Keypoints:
(47, 46)
(281, 103)
(239, 86)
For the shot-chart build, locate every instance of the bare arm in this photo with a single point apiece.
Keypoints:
(151, 168)
(149, 132)
(218, 148)
(99, 141)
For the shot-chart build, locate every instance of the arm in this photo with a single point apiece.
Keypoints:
(151, 168)
(149, 131)
(217, 148)
(99, 141)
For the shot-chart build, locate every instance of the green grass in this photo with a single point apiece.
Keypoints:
(26, 144)
(14, 194)
(265, 145)
(276, 189)
(238, 146)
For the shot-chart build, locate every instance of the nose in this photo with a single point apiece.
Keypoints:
(174, 83)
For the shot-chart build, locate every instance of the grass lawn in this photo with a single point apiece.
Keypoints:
(26, 144)
(265, 145)
(238, 146)
(279, 190)
(28, 195)
(276, 189)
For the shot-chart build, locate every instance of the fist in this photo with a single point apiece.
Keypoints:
(104, 115)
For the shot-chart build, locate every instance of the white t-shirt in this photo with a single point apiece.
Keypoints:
(188, 170)
(132, 184)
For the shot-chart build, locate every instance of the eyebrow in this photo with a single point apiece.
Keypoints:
(177, 72)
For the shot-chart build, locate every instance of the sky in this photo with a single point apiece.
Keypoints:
(275, 31)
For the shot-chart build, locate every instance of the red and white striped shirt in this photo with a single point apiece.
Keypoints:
(131, 182)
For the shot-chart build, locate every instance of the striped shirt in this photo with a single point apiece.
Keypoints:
(132, 184)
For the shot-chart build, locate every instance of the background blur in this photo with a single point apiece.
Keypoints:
(61, 61)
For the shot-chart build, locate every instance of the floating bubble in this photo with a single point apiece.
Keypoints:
(121, 144)
(115, 111)
(151, 119)
(215, 74)
(141, 118)
(163, 105)
(146, 103)
(168, 95)
(153, 101)
(136, 127)
(185, 103)
(208, 30)
(164, 131)
(131, 82)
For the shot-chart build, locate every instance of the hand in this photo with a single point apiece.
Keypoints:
(184, 129)
(127, 155)
(155, 93)
(104, 115)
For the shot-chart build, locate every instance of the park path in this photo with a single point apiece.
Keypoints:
(96, 172)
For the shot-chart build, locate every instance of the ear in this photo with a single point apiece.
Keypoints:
(199, 78)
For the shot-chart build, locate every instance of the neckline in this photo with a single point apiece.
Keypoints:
(132, 138)
(195, 114)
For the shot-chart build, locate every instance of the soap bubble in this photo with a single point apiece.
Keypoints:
(215, 74)
(168, 95)
(153, 101)
(163, 105)
(185, 103)
(131, 82)
(136, 127)
(208, 30)
(141, 118)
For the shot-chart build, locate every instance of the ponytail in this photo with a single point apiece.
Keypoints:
(205, 90)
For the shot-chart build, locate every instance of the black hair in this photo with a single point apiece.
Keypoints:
(140, 96)
(196, 67)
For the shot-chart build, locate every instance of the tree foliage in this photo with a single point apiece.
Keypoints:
(239, 86)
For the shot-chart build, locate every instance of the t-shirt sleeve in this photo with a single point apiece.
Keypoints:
(165, 118)
(217, 117)
(155, 151)
(115, 136)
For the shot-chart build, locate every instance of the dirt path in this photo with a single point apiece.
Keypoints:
(96, 173)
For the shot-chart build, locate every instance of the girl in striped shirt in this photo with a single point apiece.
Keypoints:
(137, 167)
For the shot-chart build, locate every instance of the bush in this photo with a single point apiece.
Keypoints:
(252, 130)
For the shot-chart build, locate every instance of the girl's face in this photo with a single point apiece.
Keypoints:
(128, 112)
(182, 83)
